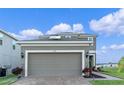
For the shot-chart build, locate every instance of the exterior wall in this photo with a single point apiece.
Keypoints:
(9, 56)
(86, 48)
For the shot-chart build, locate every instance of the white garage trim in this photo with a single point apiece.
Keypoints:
(52, 51)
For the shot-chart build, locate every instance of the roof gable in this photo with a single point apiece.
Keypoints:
(5, 33)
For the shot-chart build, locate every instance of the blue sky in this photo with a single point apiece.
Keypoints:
(107, 23)
(14, 20)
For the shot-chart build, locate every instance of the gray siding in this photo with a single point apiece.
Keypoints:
(57, 48)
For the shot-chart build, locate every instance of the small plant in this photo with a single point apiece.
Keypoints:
(99, 68)
(17, 71)
(94, 68)
(87, 71)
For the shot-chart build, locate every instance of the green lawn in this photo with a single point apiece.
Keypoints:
(113, 72)
(7, 80)
(107, 82)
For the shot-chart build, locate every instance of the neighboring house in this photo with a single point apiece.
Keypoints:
(64, 54)
(9, 51)
(107, 65)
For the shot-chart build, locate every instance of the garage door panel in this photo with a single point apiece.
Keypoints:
(54, 64)
(53, 68)
(62, 72)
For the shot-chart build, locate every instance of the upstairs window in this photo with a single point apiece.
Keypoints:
(90, 38)
(14, 45)
(1, 42)
(67, 36)
(92, 44)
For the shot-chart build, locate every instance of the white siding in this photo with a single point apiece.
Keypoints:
(8, 56)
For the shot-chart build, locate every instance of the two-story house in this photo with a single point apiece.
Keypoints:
(64, 54)
(9, 51)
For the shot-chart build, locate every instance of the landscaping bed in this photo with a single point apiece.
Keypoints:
(7, 80)
(94, 76)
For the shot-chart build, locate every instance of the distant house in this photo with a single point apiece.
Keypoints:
(107, 65)
(63, 54)
(9, 51)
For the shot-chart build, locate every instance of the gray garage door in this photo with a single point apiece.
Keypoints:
(54, 64)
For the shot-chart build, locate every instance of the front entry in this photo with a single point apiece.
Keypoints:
(91, 61)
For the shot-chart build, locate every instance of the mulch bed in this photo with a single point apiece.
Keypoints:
(93, 76)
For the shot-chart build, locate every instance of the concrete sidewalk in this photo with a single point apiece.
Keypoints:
(107, 77)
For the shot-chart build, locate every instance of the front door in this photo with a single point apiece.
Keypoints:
(91, 61)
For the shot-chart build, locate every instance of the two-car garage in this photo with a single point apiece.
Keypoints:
(57, 57)
(54, 64)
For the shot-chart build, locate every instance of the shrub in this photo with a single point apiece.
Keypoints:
(17, 71)
(87, 71)
(121, 65)
(99, 68)
(94, 68)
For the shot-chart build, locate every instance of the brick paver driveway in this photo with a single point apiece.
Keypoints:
(52, 80)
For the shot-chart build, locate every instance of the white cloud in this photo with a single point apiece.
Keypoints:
(103, 47)
(78, 28)
(28, 34)
(113, 47)
(110, 53)
(117, 47)
(100, 52)
(112, 23)
(33, 33)
(63, 27)
(16, 36)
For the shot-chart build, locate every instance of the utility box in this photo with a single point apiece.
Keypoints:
(2, 72)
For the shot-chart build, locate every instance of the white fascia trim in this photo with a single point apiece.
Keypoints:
(52, 51)
(48, 51)
(53, 42)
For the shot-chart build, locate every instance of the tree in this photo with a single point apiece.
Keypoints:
(121, 65)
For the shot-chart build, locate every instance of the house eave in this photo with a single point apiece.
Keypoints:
(53, 42)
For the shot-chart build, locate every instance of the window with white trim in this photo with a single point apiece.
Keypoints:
(90, 38)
